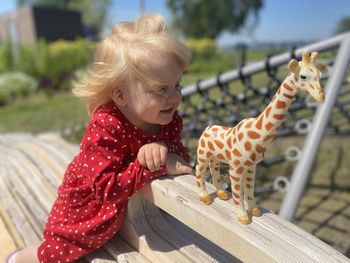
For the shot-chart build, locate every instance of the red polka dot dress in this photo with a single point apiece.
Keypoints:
(92, 197)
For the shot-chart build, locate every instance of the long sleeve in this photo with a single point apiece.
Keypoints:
(113, 176)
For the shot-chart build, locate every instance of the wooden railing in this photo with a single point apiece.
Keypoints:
(165, 222)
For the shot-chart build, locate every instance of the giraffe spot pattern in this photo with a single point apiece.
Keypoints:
(240, 170)
(288, 96)
(228, 154)
(235, 179)
(287, 87)
(211, 146)
(220, 156)
(253, 156)
(248, 163)
(281, 104)
(268, 126)
(219, 144)
(268, 137)
(237, 153)
(279, 116)
(253, 135)
(249, 124)
(229, 143)
(205, 134)
(267, 112)
(247, 146)
(259, 123)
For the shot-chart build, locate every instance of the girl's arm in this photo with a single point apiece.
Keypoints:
(113, 179)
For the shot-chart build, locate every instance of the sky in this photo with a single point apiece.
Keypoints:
(279, 20)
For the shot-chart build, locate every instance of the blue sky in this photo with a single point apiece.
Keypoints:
(280, 20)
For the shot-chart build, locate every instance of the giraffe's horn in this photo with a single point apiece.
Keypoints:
(305, 58)
(313, 57)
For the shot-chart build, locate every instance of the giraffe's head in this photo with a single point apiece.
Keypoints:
(308, 75)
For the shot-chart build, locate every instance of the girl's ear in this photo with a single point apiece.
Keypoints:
(118, 97)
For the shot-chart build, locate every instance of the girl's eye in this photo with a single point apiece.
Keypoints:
(161, 90)
(303, 77)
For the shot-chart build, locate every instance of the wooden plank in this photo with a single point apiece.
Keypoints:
(99, 256)
(14, 209)
(184, 239)
(30, 205)
(6, 239)
(141, 236)
(293, 237)
(204, 244)
(217, 222)
(10, 227)
(32, 179)
(123, 252)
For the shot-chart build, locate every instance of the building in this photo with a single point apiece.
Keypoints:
(28, 24)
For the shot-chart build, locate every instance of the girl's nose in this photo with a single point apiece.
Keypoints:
(174, 96)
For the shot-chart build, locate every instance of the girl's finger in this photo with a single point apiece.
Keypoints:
(142, 159)
(156, 157)
(163, 155)
(149, 160)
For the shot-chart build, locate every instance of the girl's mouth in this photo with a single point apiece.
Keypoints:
(170, 110)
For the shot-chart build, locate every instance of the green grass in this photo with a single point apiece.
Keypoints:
(42, 114)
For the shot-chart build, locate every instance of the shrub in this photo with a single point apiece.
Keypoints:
(203, 47)
(5, 57)
(66, 57)
(52, 63)
(14, 85)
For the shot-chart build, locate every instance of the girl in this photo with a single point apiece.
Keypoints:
(133, 90)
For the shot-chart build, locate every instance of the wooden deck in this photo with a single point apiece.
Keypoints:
(165, 222)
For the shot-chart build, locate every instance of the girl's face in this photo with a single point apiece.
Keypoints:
(148, 107)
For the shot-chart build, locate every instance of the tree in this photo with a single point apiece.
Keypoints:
(93, 12)
(209, 18)
(343, 25)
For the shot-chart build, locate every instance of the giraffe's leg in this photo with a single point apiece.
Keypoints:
(201, 168)
(214, 167)
(236, 178)
(249, 183)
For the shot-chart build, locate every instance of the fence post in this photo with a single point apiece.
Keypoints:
(301, 172)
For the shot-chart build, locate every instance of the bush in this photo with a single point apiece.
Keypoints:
(65, 58)
(5, 56)
(202, 48)
(14, 85)
(52, 63)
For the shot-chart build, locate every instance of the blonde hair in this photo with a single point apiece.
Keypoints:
(123, 57)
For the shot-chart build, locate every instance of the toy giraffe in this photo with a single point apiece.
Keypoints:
(243, 146)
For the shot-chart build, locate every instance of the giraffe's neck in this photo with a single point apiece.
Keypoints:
(272, 117)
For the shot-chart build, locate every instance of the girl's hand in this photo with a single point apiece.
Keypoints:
(175, 165)
(153, 155)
